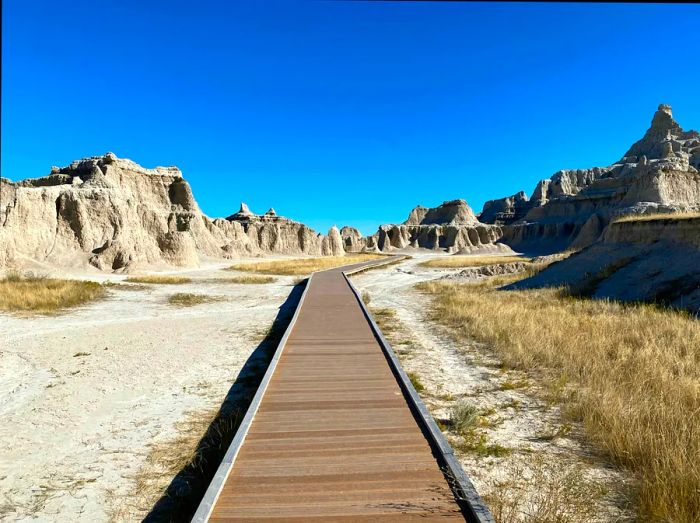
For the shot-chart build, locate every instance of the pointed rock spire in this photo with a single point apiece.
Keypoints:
(663, 128)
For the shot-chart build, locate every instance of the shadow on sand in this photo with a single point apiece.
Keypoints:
(182, 497)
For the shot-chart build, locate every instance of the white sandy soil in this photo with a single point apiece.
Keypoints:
(83, 394)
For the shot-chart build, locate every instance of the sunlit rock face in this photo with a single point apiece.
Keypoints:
(115, 215)
(659, 173)
(652, 260)
(451, 227)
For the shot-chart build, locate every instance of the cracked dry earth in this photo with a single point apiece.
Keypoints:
(86, 394)
(526, 462)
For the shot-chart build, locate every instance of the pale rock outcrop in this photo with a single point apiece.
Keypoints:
(116, 215)
(454, 212)
(571, 210)
(475, 273)
(451, 227)
(332, 244)
(352, 239)
(652, 260)
(271, 233)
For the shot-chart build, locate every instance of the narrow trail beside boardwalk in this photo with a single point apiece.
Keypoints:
(334, 434)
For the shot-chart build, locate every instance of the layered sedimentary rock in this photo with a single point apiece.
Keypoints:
(116, 215)
(451, 227)
(454, 212)
(659, 173)
(505, 210)
(653, 260)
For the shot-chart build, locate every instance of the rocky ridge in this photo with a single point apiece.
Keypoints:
(451, 227)
(116, 215)
(659, 173)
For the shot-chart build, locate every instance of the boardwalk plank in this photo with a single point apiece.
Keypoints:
(334, 438)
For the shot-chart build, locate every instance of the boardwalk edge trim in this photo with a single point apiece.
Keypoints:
(206, 506)
(465, 492)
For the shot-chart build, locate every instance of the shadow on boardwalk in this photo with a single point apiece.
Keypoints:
(182, 497)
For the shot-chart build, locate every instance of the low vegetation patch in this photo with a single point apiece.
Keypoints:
(159, 278)
(476, 442)
(463, 416)
(187, 299)
(366, 298)
(466, 421)
(256, 279)
(37, 295)
(544, 492)
(415, 381)
(629, 373)
(386, 319)
(454, 262)
(657, 216)
(125, 286)
(303, 266)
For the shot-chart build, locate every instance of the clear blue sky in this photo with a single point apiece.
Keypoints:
(341, 112)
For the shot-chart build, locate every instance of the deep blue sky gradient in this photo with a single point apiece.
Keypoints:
(341, 112)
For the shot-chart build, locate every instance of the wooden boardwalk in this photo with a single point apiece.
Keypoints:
(333, 436)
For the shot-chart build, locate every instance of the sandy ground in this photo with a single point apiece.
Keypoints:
(83, 394)
(519, 419)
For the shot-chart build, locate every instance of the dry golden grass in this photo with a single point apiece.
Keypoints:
(630, 374)
(125, 286)
(246, 278)
(303, 266)
(452, 262)
(658, 216)
(35, 295)
(159, 278)
(187, 299)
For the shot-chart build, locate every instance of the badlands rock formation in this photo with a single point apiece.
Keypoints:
(116, 215)
(659, 173)
(654, 260)
(353, 241)
(451, 227)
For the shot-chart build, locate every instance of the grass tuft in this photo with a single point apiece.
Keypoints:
(159, 278)
(125, 286)
(415, 381)
(37, 295)
(366, 298)
(187, 299)
(255, 279)
(464, 416)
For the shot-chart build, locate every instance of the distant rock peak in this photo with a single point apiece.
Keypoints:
(244, 209)
(452, 212)
(246, 216)
(660, 139)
